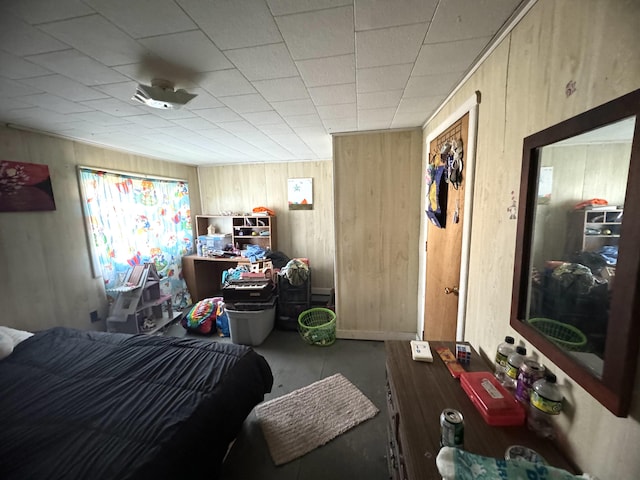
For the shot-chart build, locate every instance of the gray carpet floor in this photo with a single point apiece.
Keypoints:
(357, 454)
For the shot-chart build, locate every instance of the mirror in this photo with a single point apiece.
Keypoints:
(577, 263)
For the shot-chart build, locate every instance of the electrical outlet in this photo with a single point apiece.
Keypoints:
(94, 316)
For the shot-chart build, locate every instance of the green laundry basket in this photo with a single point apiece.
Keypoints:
(564, 335)
(317, 326)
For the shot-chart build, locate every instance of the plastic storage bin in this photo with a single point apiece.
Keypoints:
(251, 327)
(496, 405)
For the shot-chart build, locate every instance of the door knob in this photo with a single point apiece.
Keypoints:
(453, 290)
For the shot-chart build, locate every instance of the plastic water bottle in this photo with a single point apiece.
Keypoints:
(513, 367)
(545, 402)
(502, 355)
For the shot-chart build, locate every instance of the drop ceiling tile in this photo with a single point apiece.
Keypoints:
(373, 124)
(178, 132)
(55, 103)
(218, 115)
(78, 66)
(98, 38)
(203, 100)
(310, 133)
(294, 107)
(35, 116)
(371, 14)
(135, 128)
(263, 62)
(322, 33)
(346, 124)
(12, 88)
(328, 71)
(219, 135)
(7, 104)
(303, 120)
(122, 91)
(197, 123)
(252, 102)
(270, 117)
(293, 144)
(276, 129)
(169, 114)
(114, 107)
(420, 104)
(333, 94)
(40, 11)
(403, 120)
(15, 67)
(99, 118)
(64, 87)
(149, 121)
(387, 98)
(241, 128)
(279, 89)
(152, 67)
(286, 7)
(263, 142)
(234, 24)
(191, 50)
(389, 46)
(428, 85)
(18, 38)
(449, 57)
(461, 19)
(375, 118)
(378, 79)
(224, 83)
(337, 111)
(144, 18)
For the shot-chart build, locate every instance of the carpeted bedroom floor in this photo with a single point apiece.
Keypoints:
(358, 453)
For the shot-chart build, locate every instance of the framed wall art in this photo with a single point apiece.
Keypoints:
(25, 187)
(300, 193)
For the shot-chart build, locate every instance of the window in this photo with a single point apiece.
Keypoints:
(134, 220)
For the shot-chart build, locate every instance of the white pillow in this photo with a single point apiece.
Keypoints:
(6, 345)
(16, 336)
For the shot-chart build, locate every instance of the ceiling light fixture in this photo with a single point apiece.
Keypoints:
(161, 94)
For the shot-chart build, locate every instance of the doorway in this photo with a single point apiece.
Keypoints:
(444, 252)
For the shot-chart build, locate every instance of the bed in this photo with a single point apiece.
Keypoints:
(93, 405)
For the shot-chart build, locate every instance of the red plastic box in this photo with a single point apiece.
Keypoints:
(496, 405)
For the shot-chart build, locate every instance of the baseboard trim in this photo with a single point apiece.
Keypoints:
(374, 335)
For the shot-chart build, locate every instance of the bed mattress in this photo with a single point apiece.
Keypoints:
(94, 405)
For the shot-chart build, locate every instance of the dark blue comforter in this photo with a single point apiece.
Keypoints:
(92, 405)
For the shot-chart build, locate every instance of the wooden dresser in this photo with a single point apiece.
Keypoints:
(416, 394)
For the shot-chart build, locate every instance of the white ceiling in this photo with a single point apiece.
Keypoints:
(274, 78)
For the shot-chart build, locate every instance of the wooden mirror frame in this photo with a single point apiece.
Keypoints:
(614, 390)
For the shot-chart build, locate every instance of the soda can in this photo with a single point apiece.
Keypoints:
(451, 428)
(529, 372)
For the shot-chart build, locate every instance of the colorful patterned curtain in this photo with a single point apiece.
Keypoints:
(138, 220)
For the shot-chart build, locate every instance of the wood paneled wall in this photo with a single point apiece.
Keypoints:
(377, 221)
(45, 269)
(301, 233)
(522, 86)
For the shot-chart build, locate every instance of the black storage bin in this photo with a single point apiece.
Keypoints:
(292, 301)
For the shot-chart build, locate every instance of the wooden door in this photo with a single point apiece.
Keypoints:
(444, 246)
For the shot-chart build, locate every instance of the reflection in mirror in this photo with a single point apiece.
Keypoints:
(576, 278)
(577, 220)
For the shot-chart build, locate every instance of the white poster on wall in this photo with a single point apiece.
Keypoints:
(300, 193)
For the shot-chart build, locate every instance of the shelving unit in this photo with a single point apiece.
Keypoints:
(140, 299)
(589, 230)
(244, 230)
(254, 230)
